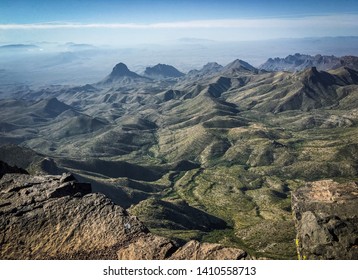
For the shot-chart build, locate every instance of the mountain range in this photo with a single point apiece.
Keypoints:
(228, 144)
(298, 62)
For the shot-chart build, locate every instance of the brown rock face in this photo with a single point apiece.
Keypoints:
(56, 217)
(45, 217)
(147, 247)
(326, 219)
(193, 250)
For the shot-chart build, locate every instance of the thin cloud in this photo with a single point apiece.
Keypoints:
(313, 21)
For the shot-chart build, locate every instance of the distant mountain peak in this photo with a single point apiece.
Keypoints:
(121, 73)
(209, 69)
(239, 64)
(163, 70)
(212, 65)
(121, 70)
(298, 62)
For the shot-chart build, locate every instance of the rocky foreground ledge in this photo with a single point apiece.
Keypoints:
(56, 217)
(326, 218)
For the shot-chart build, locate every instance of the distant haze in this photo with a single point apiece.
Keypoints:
(80, 41)
(127, 23)
(54, 63)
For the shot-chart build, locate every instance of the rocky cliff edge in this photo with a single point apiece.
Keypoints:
(56, 217)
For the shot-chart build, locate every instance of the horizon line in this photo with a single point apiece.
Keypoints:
(322, 20)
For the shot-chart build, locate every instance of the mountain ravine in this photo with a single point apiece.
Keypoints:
(224, 162)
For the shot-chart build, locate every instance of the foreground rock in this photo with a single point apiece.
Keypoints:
(158, 248)
(44, 217)
(56, 217)
(326, 219)
(194, 250)
(149, 247)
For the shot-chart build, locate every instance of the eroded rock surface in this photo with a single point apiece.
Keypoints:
(44, 217)
(326, 219)
(193, 250)
(56, 217)
(147, 247)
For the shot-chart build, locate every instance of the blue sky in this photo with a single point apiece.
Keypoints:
(32, 11)
(139, 21)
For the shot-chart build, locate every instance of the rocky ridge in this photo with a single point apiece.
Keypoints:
(298, 62)
(162, 71)
(239, 66)
(208, 69)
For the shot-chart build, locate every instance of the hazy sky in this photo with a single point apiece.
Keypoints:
(138, 21)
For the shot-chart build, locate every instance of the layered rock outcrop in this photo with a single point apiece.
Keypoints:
(46, 217)
(56, 217)
(326, 218)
